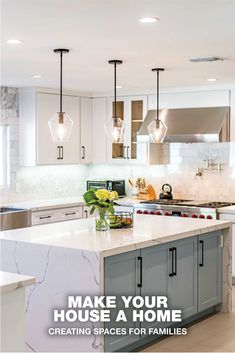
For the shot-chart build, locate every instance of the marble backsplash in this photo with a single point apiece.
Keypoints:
(33, 183)
(181, 173)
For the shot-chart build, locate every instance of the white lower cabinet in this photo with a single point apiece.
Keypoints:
(87, 214)
(56, 215)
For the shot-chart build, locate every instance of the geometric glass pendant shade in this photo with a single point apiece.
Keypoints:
(60, 123)
(157, 128)
(115, 127)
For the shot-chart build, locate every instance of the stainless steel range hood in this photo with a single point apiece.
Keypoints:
(191, 125)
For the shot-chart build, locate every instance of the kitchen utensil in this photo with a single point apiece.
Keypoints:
(166, 192)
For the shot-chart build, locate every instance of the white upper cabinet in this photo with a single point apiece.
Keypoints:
(86, 130)
(132, 110)
(190, 99)
(36, 144)
(99, 138)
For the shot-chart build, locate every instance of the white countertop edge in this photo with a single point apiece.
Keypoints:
(150, 242)
(11, 281)
(227, 209)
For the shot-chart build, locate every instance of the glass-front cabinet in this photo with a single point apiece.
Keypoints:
(133, 110)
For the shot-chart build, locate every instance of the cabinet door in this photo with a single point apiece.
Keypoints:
(209, 270)
(182, 285)
(121, 278)
(99, 138)
(118, 151)
(85, 130)
(155, 275)
(138, 111)
(47, 150)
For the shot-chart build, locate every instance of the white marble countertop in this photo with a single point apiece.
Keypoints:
(227, 209)
(47, 204)
(39, 205)
(81, 234)
(12, 281)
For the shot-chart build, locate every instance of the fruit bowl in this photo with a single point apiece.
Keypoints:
(121, 220)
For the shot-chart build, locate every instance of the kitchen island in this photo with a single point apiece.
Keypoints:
(188, 260)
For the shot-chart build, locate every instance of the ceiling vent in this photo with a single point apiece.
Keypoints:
(208, 59)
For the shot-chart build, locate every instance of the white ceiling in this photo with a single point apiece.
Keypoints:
(98, 30)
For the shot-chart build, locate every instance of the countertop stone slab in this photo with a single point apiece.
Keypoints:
(81, 234)
(12, 281)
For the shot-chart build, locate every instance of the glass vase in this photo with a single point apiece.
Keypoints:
(101, 223)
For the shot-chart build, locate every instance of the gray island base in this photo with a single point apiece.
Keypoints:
(187, 260)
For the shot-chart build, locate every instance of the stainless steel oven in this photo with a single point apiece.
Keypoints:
(111, 185)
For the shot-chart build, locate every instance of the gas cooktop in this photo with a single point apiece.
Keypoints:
(165, 201)
(189, 203)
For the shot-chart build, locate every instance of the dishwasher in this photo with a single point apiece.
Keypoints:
(13, 218)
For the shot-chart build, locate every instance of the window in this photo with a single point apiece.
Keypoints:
(4, 156)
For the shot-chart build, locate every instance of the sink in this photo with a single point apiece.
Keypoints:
(13, 218)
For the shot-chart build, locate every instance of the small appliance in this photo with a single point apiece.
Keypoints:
(111, 185)
(166, 192)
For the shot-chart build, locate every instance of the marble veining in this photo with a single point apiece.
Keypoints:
(59, 272)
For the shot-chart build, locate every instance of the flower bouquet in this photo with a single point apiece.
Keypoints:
(101, 200)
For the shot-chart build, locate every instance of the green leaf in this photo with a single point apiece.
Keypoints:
(89, 196)
(111, 209)
(92, 210)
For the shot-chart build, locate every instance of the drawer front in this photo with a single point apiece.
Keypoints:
(71, 213)
(56, 215)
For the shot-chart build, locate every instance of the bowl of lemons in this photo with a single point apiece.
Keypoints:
(121, 220)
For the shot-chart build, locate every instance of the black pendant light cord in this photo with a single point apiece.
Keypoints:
(61, 81)
(115, 90)
(61, 52)
(115, 63)
(157, 95)
(157, 89)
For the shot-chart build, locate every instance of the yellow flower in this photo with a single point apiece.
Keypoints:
(113, 195)
(102, 194)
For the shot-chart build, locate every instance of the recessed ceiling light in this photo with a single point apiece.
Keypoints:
(36, 76)
(212, 79)
(14, 41)
(149, 19)
(118, 86)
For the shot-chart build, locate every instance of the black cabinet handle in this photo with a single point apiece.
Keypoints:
(44, 217)
(202, 252)
(70, 214)
(58, 152)
(140, 284)
(171, 274)
(83, 152)
(124, 152)
(175, 261)
(86, 213)
(127, 152)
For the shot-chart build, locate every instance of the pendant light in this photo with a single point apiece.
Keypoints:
(60, 123)
(115, 127)
(157, 129)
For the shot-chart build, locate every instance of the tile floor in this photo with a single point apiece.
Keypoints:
(215, 334)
